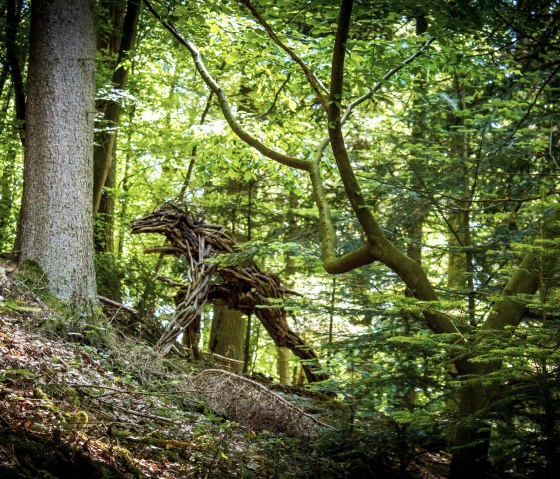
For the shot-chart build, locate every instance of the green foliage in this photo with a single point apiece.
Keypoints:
(524, 409)
(32, 276)
(466, 130)
(110, 275)
(392, 391)
(11, 305)
(12, 374)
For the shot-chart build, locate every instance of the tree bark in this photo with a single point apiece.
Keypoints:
(284, 370)
(13, 18)
(472, 437)
(56, 227)
(227, 335)
(104, 140)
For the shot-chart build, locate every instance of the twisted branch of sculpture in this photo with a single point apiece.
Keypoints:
(247, 289)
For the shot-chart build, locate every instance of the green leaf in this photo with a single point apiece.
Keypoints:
(292, 105)
(15, 374)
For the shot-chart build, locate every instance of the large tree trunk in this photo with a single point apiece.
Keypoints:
(56, 226)
(472, 435)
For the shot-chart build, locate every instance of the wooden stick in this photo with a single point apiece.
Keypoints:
(110, 302)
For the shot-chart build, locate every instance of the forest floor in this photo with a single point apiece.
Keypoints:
(69, 410)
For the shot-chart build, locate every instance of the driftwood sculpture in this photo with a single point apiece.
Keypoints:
(247, 289)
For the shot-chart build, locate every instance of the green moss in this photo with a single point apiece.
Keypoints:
(79, 418)
(35, 281)
(35, 456)
(31, 274)
(72, 396)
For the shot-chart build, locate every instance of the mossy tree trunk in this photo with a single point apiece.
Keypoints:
(473, 434)
(56, 216)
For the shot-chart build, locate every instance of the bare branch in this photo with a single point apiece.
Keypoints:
(116, 304)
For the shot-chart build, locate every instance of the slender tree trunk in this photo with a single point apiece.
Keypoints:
(105, 139)
(13, 18)
(3, 78)
(105, 223)
(56, 226)
(109, 41)
(247, 345)
(227, 335)
(255, 351)
(457, 264)
(8, 172)
(6, 197)
(125, 184)
(284, 370)
(332, 304)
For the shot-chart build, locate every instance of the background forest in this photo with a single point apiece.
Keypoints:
(394, 163)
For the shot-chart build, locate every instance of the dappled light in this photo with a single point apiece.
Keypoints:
(279, 239)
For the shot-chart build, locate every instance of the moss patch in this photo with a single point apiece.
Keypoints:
(32, 456)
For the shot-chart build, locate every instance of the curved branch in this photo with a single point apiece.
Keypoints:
(381, 249)
(333, 264)
(215, 88)
(311, 79)
(527, 278)
(353, 191)
(378, 248)
(362, 255)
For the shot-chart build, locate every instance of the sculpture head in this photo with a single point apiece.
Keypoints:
(162, 220)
